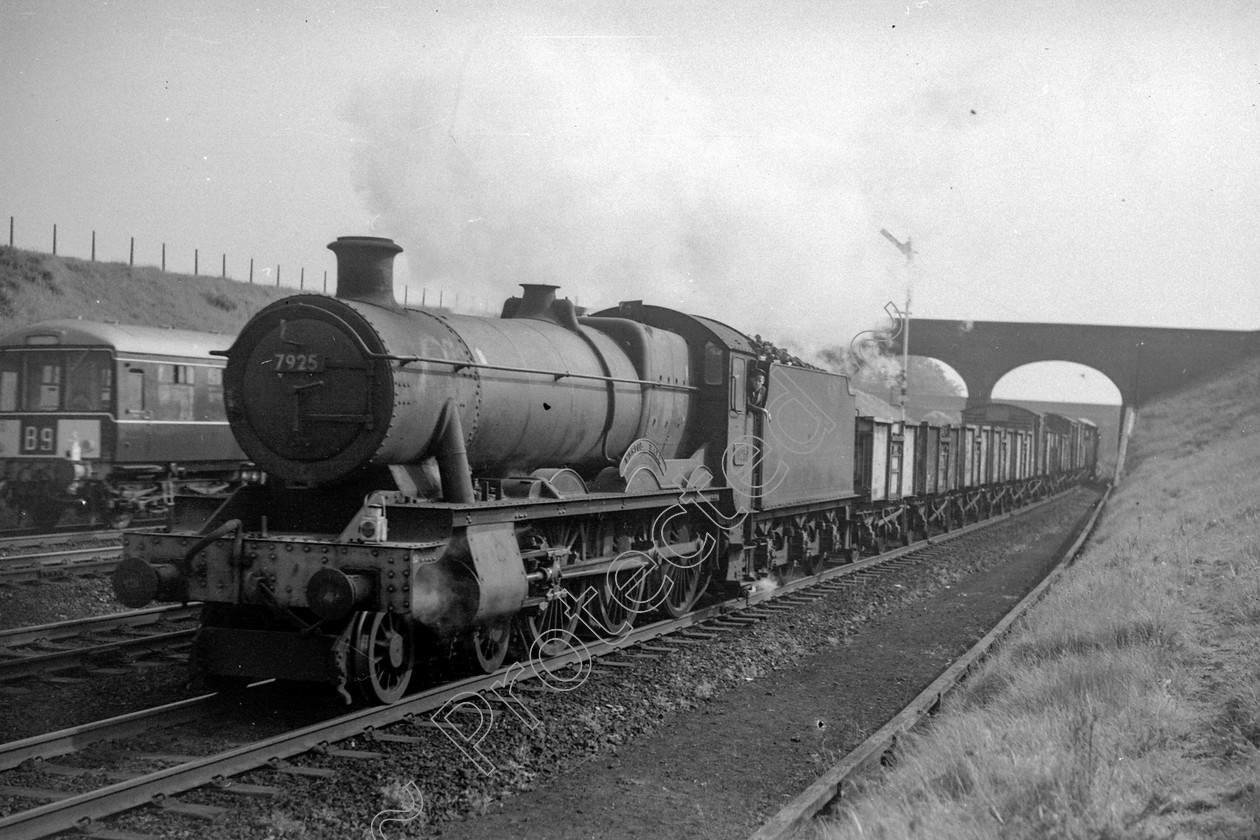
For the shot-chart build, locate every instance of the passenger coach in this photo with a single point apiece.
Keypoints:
(111, 419)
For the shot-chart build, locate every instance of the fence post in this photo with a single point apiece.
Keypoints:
(93, 246)
(196, 265)
(302, 279)
(225, 266)
(54, 240)
(424, 293)
(277, 275)
(131, 260)
(325, 282)
(405, 290)
(251, 269)
(164, 256)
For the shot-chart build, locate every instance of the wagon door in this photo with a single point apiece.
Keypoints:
(967, 456)
(908, 460)
(945, 477)
(895, 449)
(879, 461)
(933, 481)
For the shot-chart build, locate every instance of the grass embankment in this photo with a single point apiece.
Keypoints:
(38, 287)
(1127, 703)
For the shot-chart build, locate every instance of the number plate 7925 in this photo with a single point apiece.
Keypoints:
(299, 362)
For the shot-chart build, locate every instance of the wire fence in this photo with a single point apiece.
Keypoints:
(260, 273)
(263, 274)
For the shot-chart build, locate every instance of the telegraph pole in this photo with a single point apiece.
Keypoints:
(907, 250)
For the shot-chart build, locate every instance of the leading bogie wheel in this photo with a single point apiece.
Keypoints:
(488, 646)
(382, 656)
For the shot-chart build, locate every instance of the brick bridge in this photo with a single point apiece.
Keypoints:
(1143, 362)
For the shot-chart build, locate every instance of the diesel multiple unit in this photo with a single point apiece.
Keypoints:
(111, 419)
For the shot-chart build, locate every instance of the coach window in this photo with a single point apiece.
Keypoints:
(131, 395)
(214, 395)
(176, 392)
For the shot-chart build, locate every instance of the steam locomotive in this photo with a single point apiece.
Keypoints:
(441, 485)
(111, 421)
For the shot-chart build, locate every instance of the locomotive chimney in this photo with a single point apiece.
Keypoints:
(365, 269)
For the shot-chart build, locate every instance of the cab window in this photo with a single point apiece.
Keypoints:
(73, 380)
(43, 384)
(9, 381)
(712, 364)
(89, 382)
(756, 384)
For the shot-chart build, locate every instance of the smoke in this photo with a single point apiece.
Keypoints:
(765, 584)
(530, 159)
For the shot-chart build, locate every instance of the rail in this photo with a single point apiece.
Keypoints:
(79, 809)
(828, 787)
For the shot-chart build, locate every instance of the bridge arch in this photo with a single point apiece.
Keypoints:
(1070, 389)
(1057, 381)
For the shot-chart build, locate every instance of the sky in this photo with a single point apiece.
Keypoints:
(1061, 161)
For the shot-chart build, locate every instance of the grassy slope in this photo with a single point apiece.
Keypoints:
(36, 287)
(1128, 702)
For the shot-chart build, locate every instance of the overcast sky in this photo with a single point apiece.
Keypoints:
(1086, 161)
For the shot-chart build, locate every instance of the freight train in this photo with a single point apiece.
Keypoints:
(111, 421)
(439, 485)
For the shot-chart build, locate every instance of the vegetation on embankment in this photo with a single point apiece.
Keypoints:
(37, 287)
(1127, 703)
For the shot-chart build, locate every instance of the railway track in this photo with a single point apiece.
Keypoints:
(410, 721)
(791, 821)
(33, 557)
(100, 644)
